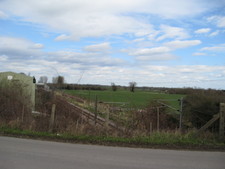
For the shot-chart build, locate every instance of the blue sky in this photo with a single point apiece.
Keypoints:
(173, 43)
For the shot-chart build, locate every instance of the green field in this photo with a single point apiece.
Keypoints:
(135, 99)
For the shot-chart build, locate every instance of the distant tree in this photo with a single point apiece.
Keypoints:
(54, 80)
(43, 79)
(114, 87)
(58, 80)
(132, 86)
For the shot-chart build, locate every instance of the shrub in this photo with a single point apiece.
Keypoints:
(146, 119)
(15, 105)
(199, 108)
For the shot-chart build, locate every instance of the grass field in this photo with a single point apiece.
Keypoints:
(134, 99)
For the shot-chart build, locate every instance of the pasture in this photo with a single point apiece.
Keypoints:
(138, 99)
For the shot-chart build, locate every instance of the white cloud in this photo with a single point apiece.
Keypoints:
(161, 53)
(203, 30)
(159, 57)
(19, 48)
(150, 51)
(182, 44)
(137, 40)
(102, 47)
(214, 33)
(3, 15)
(38, 46)
(199, 54)
(84, 18)
(172, 32)
(3, 58)
(62, 37)
(153, 35)
(144, 74)
(86, 60)
(112, 21)
(22, 50)
(219, 48)
(152, 54)
(218, 20)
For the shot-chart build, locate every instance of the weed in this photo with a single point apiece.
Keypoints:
(156, 138)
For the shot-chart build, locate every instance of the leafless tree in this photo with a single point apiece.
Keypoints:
(58, 80)
(114, 87)
(43, 79)
(132, 86)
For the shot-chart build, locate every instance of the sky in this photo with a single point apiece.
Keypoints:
(155, 43)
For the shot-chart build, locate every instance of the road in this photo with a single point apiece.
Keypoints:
(18, 153)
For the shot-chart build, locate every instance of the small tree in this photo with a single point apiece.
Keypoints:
(114, 87)
(59, 81)
(132, 86)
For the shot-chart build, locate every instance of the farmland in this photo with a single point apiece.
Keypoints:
(120, 117)
(137, 99)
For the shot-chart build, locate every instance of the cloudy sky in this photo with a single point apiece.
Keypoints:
(163, 43)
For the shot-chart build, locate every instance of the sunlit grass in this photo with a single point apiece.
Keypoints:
(130, 99)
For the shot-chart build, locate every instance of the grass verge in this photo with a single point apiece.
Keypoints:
(164, 140)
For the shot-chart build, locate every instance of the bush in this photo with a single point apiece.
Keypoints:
(15, 105)
(146, 119)
(199, 108)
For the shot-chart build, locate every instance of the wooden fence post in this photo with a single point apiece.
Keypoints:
(222, 114)
(181, 113)
(157, 118)
(150, 128)
(107, 118)
(52, 119)
(22, 119)
(96, 108)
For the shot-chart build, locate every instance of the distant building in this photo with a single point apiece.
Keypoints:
(27, 83)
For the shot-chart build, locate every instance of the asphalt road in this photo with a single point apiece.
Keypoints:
(18, 153)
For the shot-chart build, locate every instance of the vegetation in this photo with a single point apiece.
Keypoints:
(114, 87)
(137, 99)
(43, 79)
(200, 106)
(132, 86)
(15, 103)
(58, 80)
(138, 114)
(166, 139)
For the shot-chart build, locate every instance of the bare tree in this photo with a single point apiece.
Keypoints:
(114, 87)
(54, 80)
(58, 80)
(132, 86)
(43, 79)
(61, 80)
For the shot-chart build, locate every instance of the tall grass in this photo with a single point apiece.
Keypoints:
(156, 138)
